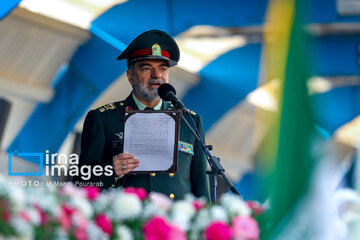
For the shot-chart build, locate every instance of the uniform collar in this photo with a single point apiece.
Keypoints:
(141, 106)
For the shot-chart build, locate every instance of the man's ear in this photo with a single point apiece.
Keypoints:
(129, 76)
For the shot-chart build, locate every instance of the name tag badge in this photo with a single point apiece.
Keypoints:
(186, 148)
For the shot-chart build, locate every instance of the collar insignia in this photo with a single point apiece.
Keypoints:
(127, 109)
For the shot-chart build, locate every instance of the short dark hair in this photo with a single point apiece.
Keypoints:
(131, 66)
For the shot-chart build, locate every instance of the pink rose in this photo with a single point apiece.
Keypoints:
(71, 190)
(81, 220)
(199, 204)
(176, 233)
(245, 228)
(68, 210)
(217, 230)
(255, 207)
(104, 223)
(5, 215)
(80, 234)
(25, 216)
(160, 200)
(65, 221)
(44, 219)
(156, 229)
(65, 216)
(92, 192)
(140, 192)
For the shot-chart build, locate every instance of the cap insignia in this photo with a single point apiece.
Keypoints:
(156, 50)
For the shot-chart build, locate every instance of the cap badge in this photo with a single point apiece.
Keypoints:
(156, 50)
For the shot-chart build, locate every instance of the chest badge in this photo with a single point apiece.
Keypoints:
(186, 147)
(120, 135)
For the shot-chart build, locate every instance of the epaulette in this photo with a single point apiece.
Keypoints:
(107, 107)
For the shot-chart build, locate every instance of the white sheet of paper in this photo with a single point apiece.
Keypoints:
(150, 137)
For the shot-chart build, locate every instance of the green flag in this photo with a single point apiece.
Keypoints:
(291, 135)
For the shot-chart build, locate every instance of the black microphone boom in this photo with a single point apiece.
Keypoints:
(168, 93)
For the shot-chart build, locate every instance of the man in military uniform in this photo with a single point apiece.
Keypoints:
(148, 58)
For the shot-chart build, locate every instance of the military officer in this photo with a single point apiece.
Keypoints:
(148, 57)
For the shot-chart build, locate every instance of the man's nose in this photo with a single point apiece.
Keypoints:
(155, 73)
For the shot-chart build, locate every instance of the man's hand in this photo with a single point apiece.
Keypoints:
(124, 163)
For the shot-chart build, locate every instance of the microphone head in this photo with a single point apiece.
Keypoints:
(164, 90)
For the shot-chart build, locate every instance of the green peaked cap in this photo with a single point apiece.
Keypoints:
(153, 44)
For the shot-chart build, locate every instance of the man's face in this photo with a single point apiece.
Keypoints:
(145, 78)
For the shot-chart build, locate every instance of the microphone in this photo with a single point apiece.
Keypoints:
(168, 93)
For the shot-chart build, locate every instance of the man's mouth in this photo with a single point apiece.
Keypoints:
(154, 84)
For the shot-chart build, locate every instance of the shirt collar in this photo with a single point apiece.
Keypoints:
(141, 106)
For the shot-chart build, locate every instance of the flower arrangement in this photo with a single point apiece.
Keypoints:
(85, 213)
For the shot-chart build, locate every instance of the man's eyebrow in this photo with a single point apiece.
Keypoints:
(149, 65)
(145, 64)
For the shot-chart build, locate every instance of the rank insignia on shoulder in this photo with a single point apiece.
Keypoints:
(186, 147)
(192, 113)
(107, 107)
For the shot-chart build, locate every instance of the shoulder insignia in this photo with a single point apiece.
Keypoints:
(107, 107)
(192, 113)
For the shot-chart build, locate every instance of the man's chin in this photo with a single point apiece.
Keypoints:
(150, 98)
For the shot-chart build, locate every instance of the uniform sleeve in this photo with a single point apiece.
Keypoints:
(92, 145)
(199, 178)
(92, 140)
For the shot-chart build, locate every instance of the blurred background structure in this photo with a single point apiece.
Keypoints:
(58, 61)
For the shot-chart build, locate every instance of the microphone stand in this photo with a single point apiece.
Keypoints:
(214, 162)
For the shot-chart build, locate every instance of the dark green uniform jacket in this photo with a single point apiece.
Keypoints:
(102, 138)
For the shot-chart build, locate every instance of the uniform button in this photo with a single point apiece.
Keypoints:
(153, 174)
(171, 174)
(113, 185)
(171, 196)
